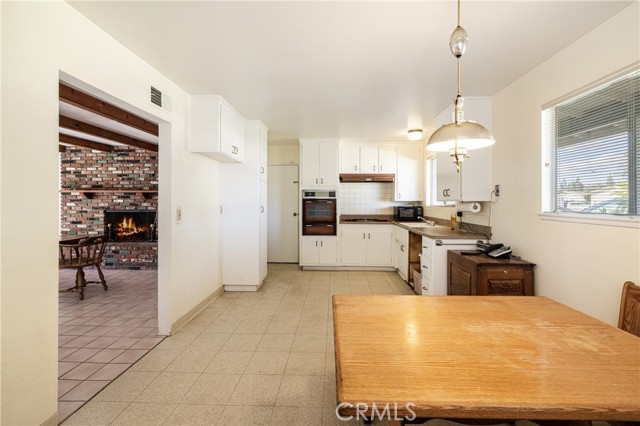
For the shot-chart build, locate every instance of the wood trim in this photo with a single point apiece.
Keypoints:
(62, 148)
(72, 140)
(90, 129)
(87, 102)
(89, 193)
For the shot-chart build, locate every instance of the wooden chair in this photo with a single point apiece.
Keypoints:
(86, 252)
(629, 319)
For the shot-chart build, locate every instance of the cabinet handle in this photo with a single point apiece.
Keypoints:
(261, 170)
(363, 236)
(316, 181)
(399, 195)
(425, 267)
(356, 168)
(321, 180)
(402, 247)
(374, 168)
(379, 168)
(261, 209)
(321, 242)
(369, 236)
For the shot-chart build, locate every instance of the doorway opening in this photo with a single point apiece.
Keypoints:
(283, 198)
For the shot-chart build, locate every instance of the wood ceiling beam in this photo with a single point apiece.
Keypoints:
(62, 148)
(72, 140)
(87, 102)
(90, 129)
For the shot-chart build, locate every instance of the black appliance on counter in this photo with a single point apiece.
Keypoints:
(319, 215)
(407, 213)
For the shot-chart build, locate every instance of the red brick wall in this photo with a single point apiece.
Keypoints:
(121, 170)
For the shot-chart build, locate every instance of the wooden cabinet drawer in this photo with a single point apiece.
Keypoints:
(502, 273)
(505, 287)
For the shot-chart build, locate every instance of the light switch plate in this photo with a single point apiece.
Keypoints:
(178, 214)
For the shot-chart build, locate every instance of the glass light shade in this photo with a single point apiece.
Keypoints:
(468, 134)
(414, 134)
(458, 41)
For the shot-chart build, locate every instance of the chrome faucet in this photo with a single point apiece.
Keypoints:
(428, 222)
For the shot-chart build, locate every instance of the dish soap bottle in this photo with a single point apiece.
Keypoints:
(453, 222)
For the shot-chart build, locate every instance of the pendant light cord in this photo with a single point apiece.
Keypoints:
(458, 56)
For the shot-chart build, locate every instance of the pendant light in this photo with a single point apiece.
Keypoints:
(461, 135)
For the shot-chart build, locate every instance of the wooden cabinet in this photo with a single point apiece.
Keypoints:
(367, 158)
(217, 130)
(481, 275)
(473, 183)
(409, 173)
(244, 219)
(318, 251)
(362, 245)
(319, 162)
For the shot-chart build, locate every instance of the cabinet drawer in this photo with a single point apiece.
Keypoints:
(505, 287)
(426, 250)
(502, 272)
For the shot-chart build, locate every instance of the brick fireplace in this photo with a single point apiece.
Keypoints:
(123, 183)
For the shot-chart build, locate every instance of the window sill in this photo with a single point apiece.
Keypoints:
(605, 220)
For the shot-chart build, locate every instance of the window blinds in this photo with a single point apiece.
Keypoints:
(590, 151)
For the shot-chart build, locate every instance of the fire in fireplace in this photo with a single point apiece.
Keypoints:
(130, 225)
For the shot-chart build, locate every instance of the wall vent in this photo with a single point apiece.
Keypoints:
(156, 97)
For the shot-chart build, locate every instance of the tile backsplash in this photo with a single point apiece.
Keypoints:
(367, 198)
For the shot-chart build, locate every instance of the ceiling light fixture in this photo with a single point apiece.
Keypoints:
(414, 134)
(461, 135)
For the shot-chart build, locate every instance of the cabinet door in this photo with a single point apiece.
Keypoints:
(350, 159)
(309, 164)
(447, 178)
(309, 251)
(403, 260)
(263, 154)
(476, 176)
(408, 175)
(379, 246)
(369, 158)
(328, 253)
(328, 166)
(353, 245)
(263, 230)
(387, 158)
(228, 130)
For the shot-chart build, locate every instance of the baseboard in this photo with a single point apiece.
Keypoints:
(241, 287)
(51, 421)
(180, 322)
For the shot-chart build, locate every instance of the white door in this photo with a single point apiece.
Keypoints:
(282, 220)
(328, 166)
(328, 253)
(448, 179)
(369, 158)
(263, 230)
(350, 159)
(353, 245)
(379, 248)
(310, 163)
(387, 158)
(408, 175)
(309, 251)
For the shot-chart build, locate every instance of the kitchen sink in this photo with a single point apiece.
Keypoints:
(420, 224)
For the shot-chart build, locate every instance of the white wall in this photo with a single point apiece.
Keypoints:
(40, 39)
(580, 265)
(282, 154)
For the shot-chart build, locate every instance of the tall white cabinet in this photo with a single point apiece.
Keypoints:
(244, 214)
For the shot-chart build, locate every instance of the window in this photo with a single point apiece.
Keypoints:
(590, 156)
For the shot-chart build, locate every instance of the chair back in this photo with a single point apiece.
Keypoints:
(629, 320)
(86, 252)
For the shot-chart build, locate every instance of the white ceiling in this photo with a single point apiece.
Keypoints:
(361, 70)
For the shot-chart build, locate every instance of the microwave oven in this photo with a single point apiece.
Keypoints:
(407, 213)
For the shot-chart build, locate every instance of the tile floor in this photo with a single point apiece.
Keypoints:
(103, 335)
(247, 359)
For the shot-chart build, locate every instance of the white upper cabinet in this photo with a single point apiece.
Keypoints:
(367, 158)
(409, 172)
(319, 162)
(473, 183)
(263, 154)
(217, 130)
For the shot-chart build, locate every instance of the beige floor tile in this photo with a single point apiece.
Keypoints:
(194, 415)
(210, 341)
(275, 343)
(253, 325)
(96, 413)
(306, 363)
(256, 390)
(245, 416)
(267, 363)
(282, 327)
(330, 394)
(212, 389)
(156, 360)
(330, 418)
(127, 387)
(309, 343)
(178, 340)
(296, 416)
(223, 324)
(191, 361)
(242, 342)
(229, 362)
(144, 414)
(330, 365)
(300, 391)
(168, 388)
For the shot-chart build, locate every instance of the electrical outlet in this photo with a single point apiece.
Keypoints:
(178, 214)
(497, 190)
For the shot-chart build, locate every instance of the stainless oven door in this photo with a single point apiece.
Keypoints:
(319, 211)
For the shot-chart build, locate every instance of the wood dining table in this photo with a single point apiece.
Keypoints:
(481, 357)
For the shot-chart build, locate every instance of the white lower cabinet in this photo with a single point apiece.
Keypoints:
(318, 251)
(362, 245)
(401, 251)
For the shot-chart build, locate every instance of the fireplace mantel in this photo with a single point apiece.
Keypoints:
(89, 193)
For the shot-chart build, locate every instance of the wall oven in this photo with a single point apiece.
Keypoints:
(319, 215)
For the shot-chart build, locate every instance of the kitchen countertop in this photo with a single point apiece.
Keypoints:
(435, 232)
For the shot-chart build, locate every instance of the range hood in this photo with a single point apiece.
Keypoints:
(363, 177)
